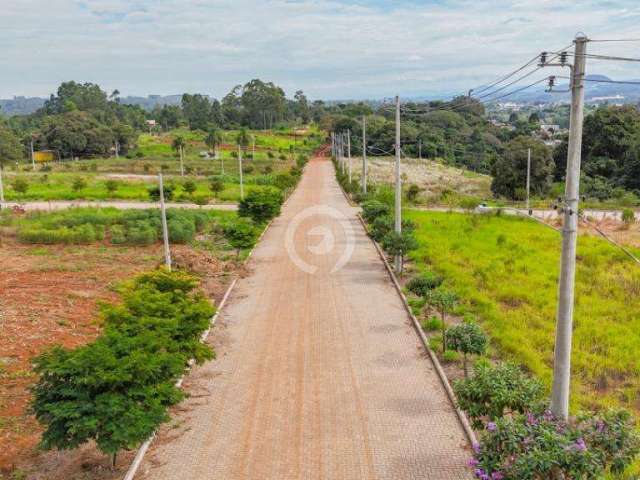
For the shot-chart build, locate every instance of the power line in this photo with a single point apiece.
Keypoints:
(595, 80)
(607, 57)
(616, 40)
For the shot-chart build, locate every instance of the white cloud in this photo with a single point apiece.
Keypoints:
(331, 49)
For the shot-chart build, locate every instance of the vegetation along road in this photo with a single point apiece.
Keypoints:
(319, 372)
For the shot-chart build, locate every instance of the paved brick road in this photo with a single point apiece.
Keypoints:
(318, 376)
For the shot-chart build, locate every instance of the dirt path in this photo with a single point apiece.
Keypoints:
(319, 375)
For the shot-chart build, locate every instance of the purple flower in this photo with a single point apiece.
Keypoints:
(531, 419)
(580, 446)
(479, 472)
(491, 426)
(497, 476)
(476, 448)
(600, 426)
(473, 462)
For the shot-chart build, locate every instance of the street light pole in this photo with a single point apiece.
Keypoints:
(165, 230)
(364, 154)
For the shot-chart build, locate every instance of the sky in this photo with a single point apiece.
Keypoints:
(329, 49)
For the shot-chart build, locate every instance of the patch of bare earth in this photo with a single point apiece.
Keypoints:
(48, 296)
(432, 177)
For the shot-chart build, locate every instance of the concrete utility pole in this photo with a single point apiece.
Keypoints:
(420, 149)
(165, 229)
(528, 177)
(117, 149)
(364, 154)
(181, 161)
(33, 159)
(349, 154)
(564, 321)
(398, 203)
(1, 189)
(240, 169)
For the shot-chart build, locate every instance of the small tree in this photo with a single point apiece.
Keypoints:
(213, 140)
(261, 205)
(240, 233)
(178, 145)
(423, 284)
(373, 209)
(444, 301)
(216, 185)
(189, 186)
(399, 244)
(111, 186)
(78, 184)
(20, 185)
(467, 338)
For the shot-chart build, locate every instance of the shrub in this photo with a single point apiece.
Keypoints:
(154, 192)
(450, 356)
(493, 391)
(189, 186)
(373, 209)
(111, 186)
(240, 233)
(539, 446)
(261, 205)
(423, 284)
(118, 236)
(146, 167)
(142, 233)
(628, 216)
(78, 235)
(431, 324)
(181, 230)
(267, 169)
(270, 154)
(412, 192)
(78, 184)
(468, 339)
(283, 181)
(399, 244)
(139, 154)
(20, 185)
(247, 169)
(468, 203)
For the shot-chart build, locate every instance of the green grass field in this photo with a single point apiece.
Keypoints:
(506, 270)
(59, 186)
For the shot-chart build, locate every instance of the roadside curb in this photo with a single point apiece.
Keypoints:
(464, 422)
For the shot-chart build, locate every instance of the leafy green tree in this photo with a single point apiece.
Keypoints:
(423, 284)
(399, 244)
(510, 169)
(261, 205)
(197, 111)
(168, 116)
(373, 209)
(444, 301)
(467, 338)
(10, 147)
(260, 99)
(494, 391)
(216, 185)
(154, 192)
(302, 106)
(241, 233)
(213, 140)
(189, 186)
(116, 391)
(243, 139)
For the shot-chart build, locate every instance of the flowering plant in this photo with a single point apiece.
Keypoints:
(539, 446)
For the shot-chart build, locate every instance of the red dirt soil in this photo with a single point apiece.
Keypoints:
(49, 295)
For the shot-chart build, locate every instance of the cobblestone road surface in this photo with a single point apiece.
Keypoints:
(319, 375)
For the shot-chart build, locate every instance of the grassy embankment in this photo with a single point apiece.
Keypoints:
(506, 269)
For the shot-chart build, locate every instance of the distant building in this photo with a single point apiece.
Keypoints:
(151, 123)
(550, 129)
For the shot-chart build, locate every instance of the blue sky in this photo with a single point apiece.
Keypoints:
(330, 49)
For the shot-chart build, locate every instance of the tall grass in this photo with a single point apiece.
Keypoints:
(506, 269)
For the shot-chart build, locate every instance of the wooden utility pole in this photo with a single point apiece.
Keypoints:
(564, 320)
